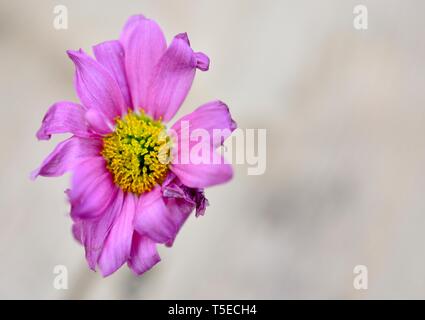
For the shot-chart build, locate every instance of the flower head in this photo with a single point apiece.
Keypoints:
(132, 187)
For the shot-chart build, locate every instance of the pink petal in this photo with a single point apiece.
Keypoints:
(96, 87)
(68, 154)
(153, 217)
(144, 43)
(116, 249)
(214, 117)
(143, 254)
(93, 232)
(131, 22)
(203, 175)
(111, 55)
(98, 122)
(202, 61)
(181, 201)
(172, 78)
(92, 188)
(180, 210)
(77, 232)
(64, 117)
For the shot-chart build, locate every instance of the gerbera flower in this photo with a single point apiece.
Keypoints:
(129, 189)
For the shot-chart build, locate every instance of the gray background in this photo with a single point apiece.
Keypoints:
(345, 117)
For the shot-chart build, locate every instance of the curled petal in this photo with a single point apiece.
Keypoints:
(64, 117)
(173, 188)
(202, 61)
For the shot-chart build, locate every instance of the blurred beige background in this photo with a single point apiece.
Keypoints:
(345, 182)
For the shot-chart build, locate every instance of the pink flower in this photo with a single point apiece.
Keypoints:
(130, 190)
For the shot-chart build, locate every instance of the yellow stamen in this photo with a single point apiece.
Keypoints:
(137, 153)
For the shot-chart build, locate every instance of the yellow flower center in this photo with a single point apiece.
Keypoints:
(137, 153)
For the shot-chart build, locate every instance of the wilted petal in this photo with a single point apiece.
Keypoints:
(202, 61)
(173, 188)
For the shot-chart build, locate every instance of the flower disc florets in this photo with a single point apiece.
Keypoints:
(137, 153)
